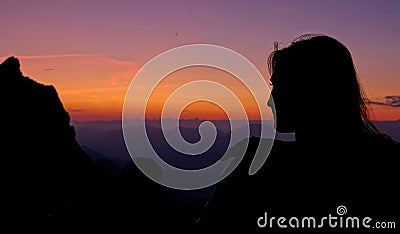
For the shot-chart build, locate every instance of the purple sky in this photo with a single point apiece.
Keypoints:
(136, 31)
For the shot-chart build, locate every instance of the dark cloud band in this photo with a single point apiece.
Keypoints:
(393, 101)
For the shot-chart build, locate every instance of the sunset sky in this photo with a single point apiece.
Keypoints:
(91, 50)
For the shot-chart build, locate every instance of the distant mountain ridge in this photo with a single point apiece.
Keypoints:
(391, 128)
(106, 137)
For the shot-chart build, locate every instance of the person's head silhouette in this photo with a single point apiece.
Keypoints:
(316, 91)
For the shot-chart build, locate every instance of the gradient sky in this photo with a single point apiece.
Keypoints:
(90, 50)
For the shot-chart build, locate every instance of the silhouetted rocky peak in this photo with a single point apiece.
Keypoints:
(48, 174)
(10, 67)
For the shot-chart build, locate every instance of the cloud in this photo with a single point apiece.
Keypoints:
(77, 110)
(392, 100)
(54, 56)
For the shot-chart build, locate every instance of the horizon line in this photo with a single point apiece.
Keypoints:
(197, 119)
(152, 119)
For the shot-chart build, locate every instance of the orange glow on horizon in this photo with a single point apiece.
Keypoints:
(93, 86)
(385, 113)
(202, 110)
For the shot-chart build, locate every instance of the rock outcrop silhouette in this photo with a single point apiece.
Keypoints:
(48, 178)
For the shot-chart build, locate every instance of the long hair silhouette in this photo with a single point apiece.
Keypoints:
(316, 88)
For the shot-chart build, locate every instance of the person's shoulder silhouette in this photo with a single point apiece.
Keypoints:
(338, 158)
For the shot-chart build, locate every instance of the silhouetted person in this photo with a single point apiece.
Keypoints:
(338, 157)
